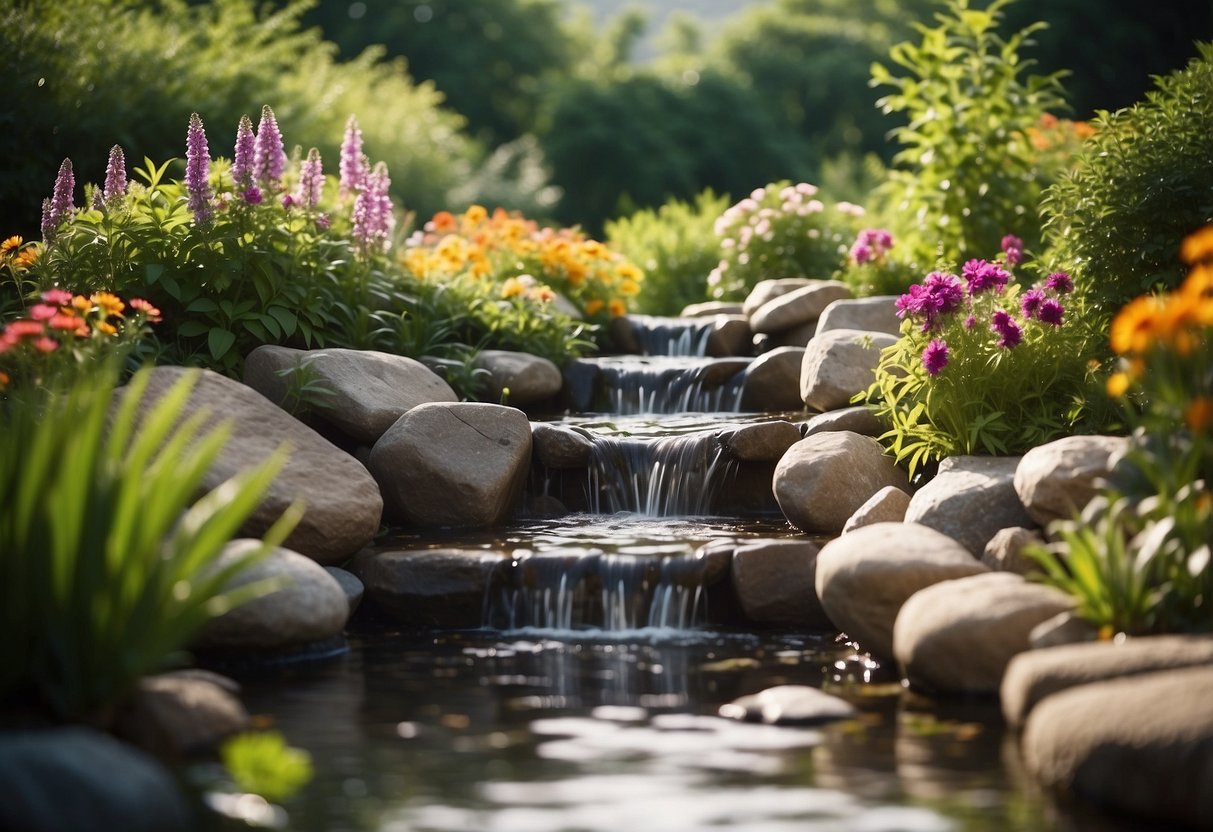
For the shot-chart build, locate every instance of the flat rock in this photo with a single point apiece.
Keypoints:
(772, 381)
(823, 479)
(857, 419)
(171, 715)
(1035, 675)
(528, 378)
(765, 291)
(342, 503)
(839, 364)
(308, 606)
(559, 447)
(958, 636)
(873, 314)
(799, 306)
(864, 577)
(970, 500)
(761, 441)
(367, 390)
(429, 587)
(708, 309)
(454, 465)
(1055, 481)
(789, 705)
(1141, 745)
(888, 505)
(775, 582)
(1006, 551)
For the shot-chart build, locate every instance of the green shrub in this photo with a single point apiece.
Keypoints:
(1142, 182)
(107, 555)
(676, 247)
(966, 174)
(874, 266)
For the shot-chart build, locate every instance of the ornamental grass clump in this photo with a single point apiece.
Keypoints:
(1138, 559)
(781, 230)
(982, 366)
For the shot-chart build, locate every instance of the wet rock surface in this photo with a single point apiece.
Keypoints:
(789, 705)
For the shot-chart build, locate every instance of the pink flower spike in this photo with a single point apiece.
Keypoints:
(269, 158)
(43, 311)
(58, 297)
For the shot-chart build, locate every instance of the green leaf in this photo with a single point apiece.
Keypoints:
(192, 329)
(219, 341)
(286, 319)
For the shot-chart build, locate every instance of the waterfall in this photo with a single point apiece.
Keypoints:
(670, 476)
(631, 385)
(684, 337)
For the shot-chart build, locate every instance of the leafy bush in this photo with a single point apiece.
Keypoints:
(1138, 560)
(872, 268)
(676, 247)
(980, 367)
(107, 555)
(1142, 182)
(967, 172)
(780, 230)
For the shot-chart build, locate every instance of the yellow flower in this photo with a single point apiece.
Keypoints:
(108, 303)
(1137, 324)
(25, 258)
(575, 272)
(417, 261)
(11, 244)
(106, 327)
(512, 288)
(617, 307)
(475, 214)
(593, 306)
(1197, 246)
(1118, 385)
(628, 288)
(543, 294)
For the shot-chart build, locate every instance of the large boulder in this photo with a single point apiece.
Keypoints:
(765, 291)
(970, 500)
(528, 378)
(1141, 745)
(798, 307)
(366, 390)
(342, 504)
(775, 580)
(888, 505)
(1035, 675)
(711, 308)
(857, 419)
(958, 636)
(429, 587)
(772, 381)
(307, 605)
(1055, 481)
(760, 441)
(175, 714)
(822, 479)
(873, 314)
(457, 465)
(1006, 551)
(864, 577)
(729, 335)
(838, 364)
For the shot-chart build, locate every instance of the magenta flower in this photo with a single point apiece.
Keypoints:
(1060, 282)
(935, 356)
(115, 175)
(311, 180)
(353, 163)
(269, 155)
(245, 154)
(197, 170)
(252, 195)
(60, 206)
(982, 276)
(373, 218)
(939, 294)
(1051, 312)
(1012, 247)
(1030, 303)
(861, 253)
(1009, 333)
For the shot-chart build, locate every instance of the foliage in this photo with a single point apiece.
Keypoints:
(967, 173)
(780, 230)
(107, 555)
(262, 763)
(980, 367)
(16, 276)
(872, 268)
(525, 262)
(1143, 565)
(676, 247)
(73, 94)
(1141, 183)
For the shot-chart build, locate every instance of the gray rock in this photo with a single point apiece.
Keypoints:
(308, 606)
(823, 479)
(78, 780)
(774, 580)
(888, 505)
(429, 587)
(559, 447)
(858, 419)
(458, 465)
(772, 381)
(368, 390)
(174, 714)
(1055, 481)
(350, 585)
(528, 378)
(730, 335)
(1064, 628)
(342, 502)
(1141, 746)
(873, 314)
(799, 306)
(1006, 550)
(958, 636)
(789, 705)
(1034, 676)
(765, 291)
(711, 308)
(838, 364)
(761, 441)
(864, 577)
(970, 500)
(797, 336)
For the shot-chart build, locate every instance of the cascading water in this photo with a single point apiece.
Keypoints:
(634, 385)
(683, 337)
(670, 476)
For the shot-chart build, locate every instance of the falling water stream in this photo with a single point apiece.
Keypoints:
(588, 698)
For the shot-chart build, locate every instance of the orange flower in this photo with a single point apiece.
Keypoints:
(1197, 246)
(512, 288)
(475, 214)
(593, 306)
(108, 303)
(5, 379)
(617, 308)
(9, 245)
(106, 327)
(443, 221)
(25, 258)
(1118, 385)
(1137, 324)
(1199, 414)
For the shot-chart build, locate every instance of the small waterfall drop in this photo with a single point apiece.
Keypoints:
(682, 337)
(634, 385)
(670, 476)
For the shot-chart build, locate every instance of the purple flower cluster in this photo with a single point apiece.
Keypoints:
(115, 175)
(269, 155)
(1009, 333)
(938, 294)
(935, 356)
(311, 180)
(354, 167)
(197, 170)
(246, 150)
(871, 245)
(1012, 249)
(984, 276)
(1060, 282)
(60, 206)
(373, 218)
